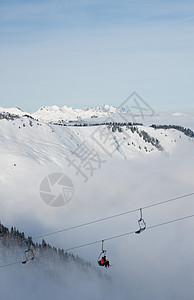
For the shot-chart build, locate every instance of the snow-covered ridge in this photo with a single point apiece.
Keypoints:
(65, 113)
(32, 138)
(103, 114)
(54, 113)
(12, 110)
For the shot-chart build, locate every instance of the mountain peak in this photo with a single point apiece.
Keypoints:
(49, 108)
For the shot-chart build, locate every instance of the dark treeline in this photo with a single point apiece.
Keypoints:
(14, 243)
(186, 131)
(82, 124)
(113, 125)
(147, 138)
(7, 116)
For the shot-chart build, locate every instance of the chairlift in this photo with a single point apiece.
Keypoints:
(142, 224)
(29, 254)
(102, 254)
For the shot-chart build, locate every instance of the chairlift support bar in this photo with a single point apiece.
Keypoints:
(140, 213)
(102, 246)
(102, 252)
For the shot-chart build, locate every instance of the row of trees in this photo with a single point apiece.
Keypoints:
(83, 124)
(186, 131)
(14, 243)
(115, 126)
(7, 116)
(147, 138)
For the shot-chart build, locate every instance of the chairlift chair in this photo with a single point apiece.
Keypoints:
(29, 254)
(102, 253)
(142, 224)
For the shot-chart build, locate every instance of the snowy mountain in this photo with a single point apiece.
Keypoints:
(27, 142)
(55, 114)
(114, 167)
(104, 113)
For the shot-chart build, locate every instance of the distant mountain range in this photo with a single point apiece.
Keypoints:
(105, 114)
(54, 113)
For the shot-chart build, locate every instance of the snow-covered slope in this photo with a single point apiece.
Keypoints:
(43, 142)
(27, 143)
(12, 110)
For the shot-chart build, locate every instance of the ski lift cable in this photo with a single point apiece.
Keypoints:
(129, 233)
(113, 216)
(108, 239)
(11, 264)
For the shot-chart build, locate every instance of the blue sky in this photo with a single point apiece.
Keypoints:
(91, 52)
